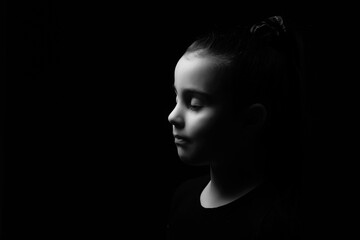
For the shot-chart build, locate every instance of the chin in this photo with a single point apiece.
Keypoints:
(192, 159)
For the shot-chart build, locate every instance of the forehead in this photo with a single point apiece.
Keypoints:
(197, 72)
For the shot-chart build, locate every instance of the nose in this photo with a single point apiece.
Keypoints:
(176, 118)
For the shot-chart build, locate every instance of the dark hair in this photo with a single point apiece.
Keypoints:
(265, 61)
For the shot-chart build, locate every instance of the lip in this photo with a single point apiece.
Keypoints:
(180, 140)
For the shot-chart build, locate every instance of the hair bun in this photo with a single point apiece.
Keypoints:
(269, 27)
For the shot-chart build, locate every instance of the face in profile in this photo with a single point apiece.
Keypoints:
(200, 119)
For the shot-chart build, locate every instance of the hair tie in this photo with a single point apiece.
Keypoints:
(272, 25)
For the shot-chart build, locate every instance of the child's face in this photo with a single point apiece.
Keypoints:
(201, 116)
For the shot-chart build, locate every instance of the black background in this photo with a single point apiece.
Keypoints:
(90, 146)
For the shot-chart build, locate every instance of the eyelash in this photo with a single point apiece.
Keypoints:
(188, 105)
(193, 107)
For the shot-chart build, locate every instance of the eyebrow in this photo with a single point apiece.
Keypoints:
(195, 92)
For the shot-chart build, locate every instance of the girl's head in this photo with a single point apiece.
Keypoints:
(231, 88)
(201, 118)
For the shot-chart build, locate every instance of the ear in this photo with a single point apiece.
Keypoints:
(255, 117)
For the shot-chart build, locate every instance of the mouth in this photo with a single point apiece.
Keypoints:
(180, 140)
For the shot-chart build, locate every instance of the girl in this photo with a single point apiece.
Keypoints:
(238, 109)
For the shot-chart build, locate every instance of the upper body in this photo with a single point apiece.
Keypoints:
(262, 213)
(236, 106)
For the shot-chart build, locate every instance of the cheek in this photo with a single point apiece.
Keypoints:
(204, 125)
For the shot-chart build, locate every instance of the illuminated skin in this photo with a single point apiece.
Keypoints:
(204, 117)
(200, 112)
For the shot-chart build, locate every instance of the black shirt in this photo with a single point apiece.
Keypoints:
(263, 213)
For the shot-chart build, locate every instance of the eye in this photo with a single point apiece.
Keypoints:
(195, 104)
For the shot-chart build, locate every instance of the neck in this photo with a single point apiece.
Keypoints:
(229, 182)
(231, 179)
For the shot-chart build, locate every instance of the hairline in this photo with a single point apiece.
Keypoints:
(220, 60)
